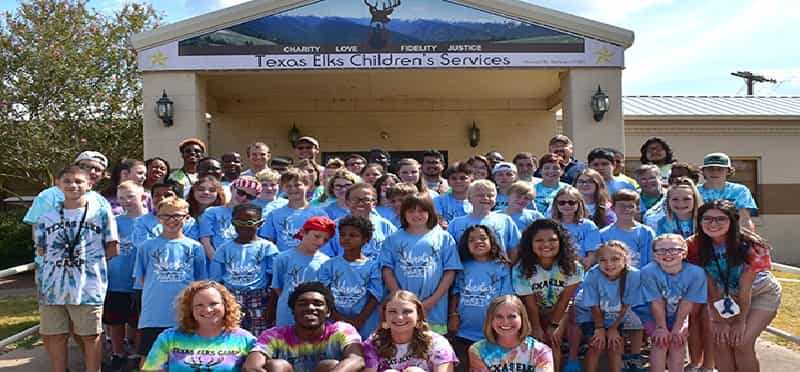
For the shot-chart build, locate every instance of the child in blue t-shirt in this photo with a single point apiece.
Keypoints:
(717, 168)
(673, 288)
(336, 190)
(244, 266)
(682, 202)
(421, 258)
(638, 237)
(609, 291)
(164, 266)
(268, 198)
(570, 210)
(453, 203)
(359, 200)
(602, 160)
(504, 174)
(551, 172)
(284, 223)
(481, 196)
(486, 275)
(215, 228)
(520, 195)
(298, 264)
(354, 278)
(396, 194)
(149, 226)
(118, 309)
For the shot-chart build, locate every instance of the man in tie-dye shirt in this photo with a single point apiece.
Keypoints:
(312, 343)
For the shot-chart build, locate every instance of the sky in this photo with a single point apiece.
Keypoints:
(682, 47)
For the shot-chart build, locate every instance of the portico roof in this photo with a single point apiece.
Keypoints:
(254, 9)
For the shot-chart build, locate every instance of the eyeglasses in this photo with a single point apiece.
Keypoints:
(459, 178)
(341, 185)
(87, 167)
(719, 220)
(571, 203)
(668, 251)
(172, 217)
(244, 194)
(246, 223)
(583, 182)
(362, 200)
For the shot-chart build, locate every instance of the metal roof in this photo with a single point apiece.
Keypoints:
(733, 107)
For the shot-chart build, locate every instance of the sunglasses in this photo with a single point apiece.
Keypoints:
(571, 203)
(246, 223)
(244, 194)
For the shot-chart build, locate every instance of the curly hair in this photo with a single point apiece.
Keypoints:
(183, 306)
(643, 150)
(566, 253)
(312, 287)
(379, 183)
(343, 174)
(495, 252)
(363, 225)
(421, 341)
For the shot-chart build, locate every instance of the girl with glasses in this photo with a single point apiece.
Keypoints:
(216, 227)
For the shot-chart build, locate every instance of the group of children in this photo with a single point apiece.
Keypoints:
(578, 256)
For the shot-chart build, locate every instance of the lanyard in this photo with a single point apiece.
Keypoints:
(71, 243)
(724, 276)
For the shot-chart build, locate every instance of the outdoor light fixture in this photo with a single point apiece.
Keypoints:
(294, 134)
(474, 135)
(599, 104)
(164, 109)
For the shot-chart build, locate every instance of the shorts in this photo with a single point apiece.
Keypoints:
(253, 303)
(766, 295)
(149, 336)
(119, 309)
(85, 320)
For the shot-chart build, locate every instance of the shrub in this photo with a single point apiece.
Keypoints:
(16, 244)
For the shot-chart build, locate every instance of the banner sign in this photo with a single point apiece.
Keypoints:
(368, 34)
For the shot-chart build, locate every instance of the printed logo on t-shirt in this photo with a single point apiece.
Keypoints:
(126, 247)
(348, 296)
(244, 273)
(417, 266)
(170, 272)
(480, 294)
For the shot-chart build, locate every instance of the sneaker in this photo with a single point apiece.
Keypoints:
(116, 365)
(572, 366)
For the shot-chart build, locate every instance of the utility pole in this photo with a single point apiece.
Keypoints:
(750, 79)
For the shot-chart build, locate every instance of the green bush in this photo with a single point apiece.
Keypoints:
(16, 246)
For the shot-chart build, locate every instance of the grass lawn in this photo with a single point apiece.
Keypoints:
(789, 311)
(17, 313)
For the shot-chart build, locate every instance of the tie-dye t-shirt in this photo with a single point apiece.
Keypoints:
(545, 284)
(282, 343)
(529, 356)
(440, 353)
(177, 351)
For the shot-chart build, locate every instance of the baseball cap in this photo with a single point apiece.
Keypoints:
(308, 139)
(560, 138)
(717, 159)
(195, 141)
(504, 166)
(93, 156)
(319, 223)
(248, 184)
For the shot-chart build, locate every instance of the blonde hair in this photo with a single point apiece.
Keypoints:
(174, 203)
(580, 213)
(268, 175)
(488, 330)
(522, 188)
(183, 305)
(343, 174)
(130, 186)
(421, 342)
(684, 183)
(481, 185)
(671, 237)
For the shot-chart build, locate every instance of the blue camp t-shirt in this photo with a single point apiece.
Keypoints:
(476, 286)
(501, 202)
(289, 269)
(336, 212)
(419, 262)
(120, 267)
(269, 206)
(148, 227)
(449, 207)
(215, 223)
(352, 284)
(545, 195)
(167, 266)
(283, 223)
(585, 235)
(598, 290)
(639, 241)
(381, 229)
(689, 284)
(50, 199)
(504, 228)
(522, 220)
(617, 184)
(736, 193)
(684, 228)
(244, 267)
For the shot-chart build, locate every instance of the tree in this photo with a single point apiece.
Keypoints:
(68, 82)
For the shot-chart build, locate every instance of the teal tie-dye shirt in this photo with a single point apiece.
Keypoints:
(177, 351)
(529, 356)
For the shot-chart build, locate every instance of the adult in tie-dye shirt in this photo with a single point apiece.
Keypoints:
(508, 346)
(312, 343)
(208, 337)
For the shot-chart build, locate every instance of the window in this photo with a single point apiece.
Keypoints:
(747, 174)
